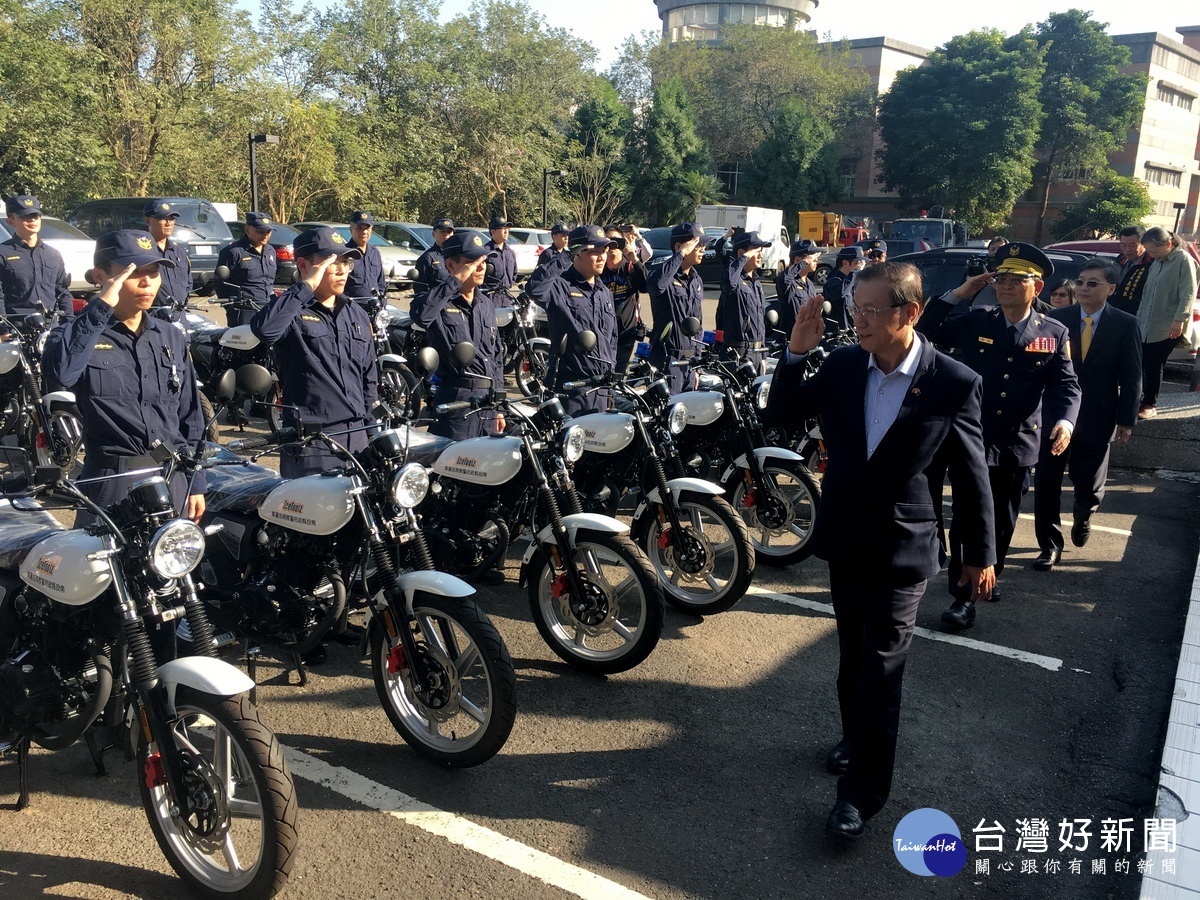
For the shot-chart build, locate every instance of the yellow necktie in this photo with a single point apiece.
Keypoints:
(1085, 339)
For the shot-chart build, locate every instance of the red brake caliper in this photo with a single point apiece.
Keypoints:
(560, 586)
(155, 772)
(750, 498)
(664, 539)
(396, 660)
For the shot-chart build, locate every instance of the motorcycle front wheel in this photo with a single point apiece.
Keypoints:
(706, 569)
(399, 387)
(618, 621)
(780, 523)
(239, 838)
(465, 716)
(530, 371)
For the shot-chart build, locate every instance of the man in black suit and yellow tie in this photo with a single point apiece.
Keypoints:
(1029, 388)
(889, 407)
(1106, 351)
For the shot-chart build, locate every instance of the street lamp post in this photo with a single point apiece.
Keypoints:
(546, 173)
(1179, 208)
(253, 139)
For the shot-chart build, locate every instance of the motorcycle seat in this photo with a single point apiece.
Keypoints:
(239, 488)
(425, 448)
(20, 531)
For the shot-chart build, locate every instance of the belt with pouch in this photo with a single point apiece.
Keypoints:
(469, 382)
(122, 464)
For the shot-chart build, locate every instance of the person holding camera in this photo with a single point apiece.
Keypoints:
(876, 251)
(625, 276)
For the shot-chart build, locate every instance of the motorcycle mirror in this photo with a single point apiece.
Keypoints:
(504, 315)
(296, 276)
(772, 318)
(462, 354)
(692, 326)
(222, 272)
(826, 308)
(255, 380)
(586, 340)
(666, 329)
(90, 277)
(65, 281)
(427, 360)
(412, 274)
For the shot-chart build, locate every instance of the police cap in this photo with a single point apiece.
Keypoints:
(443, 225)
(685, 232)
(748, 240)
(589, 237)
(322, 241)
(498, 222)
(362, 217)
(1023, 259)
(21, 205)
(129, 245)
(804, 247)
(854, 252)
(259, 220)
(159, 209)
(560, 228)
(470, 244)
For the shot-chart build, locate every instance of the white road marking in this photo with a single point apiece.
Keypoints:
(1045, 662)
(457, 830)
(1124, 532)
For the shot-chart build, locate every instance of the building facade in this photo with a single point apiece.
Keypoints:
(687, 20)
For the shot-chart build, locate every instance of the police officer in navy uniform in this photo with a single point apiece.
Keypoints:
(794, 284)
(458, 309)
(559, 232)
(130, 373)
(625, 276)
(366, 278)
(324, 350)
(875, 249)
(251, 263)
(676, 293)
(1029, 383)
(743, 324)
(431, 260)
(839, 284)
(177, 277)
(576, 301)
(31, 271)
(502, 273)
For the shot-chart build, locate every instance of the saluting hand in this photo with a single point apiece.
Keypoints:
(1060, 439)
(317, 272)
(810, 326)
(110, 290)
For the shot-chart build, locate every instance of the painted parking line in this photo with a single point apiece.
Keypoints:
(1035, 659)
(457, 830)
(1124, 532)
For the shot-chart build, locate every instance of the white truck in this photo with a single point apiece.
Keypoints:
(767, 222)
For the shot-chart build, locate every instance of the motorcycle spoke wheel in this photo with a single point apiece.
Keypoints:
(618, 621)
(712, 569)
(464, 717)
(530, 372)
(781, 524)
(240, 837)
(399, 388)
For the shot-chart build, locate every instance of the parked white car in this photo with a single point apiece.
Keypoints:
(398, 262)
(77, 248)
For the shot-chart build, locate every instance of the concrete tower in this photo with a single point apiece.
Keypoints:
(688, 20)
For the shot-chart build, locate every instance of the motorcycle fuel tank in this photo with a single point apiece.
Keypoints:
(10, 356)
(313, 504)
(605, 432)
(240, 337)
(703, 407)
(481, 460)
(59, 568)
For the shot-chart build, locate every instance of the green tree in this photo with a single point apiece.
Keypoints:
(597, 182)
(796, 167)
(666, 150)
(960, 130)
(1089, 105)
(1112, 203)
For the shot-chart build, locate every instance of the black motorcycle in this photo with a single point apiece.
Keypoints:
(526, 346)
(399, 385)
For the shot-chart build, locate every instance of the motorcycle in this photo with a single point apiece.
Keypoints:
(699, 547)
(768, 485)
(526, 347)
(593, 594)
(78, 660)
(287, 556)
(399, 386)
(48, 424)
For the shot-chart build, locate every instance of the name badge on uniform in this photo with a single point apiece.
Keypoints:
(1042, 345)
(575, 294)
(453, 310)
(310, 318)
(984, 340)
(104, 346)
(247, 258)
(677, 283)
(11, 258)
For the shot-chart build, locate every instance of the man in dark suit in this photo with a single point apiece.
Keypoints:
(1106, 350)
(890, 407)
(1022, 356)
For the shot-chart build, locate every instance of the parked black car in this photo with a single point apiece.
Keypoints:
(944, 269)
(200, 228)
(282, 238)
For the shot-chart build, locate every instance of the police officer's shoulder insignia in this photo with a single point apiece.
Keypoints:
(103, 345)
(985, 340)
(145, 243)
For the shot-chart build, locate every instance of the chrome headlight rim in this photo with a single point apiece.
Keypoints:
(410, 485)
(39, 344)
(762, 395)
(572, 443)
(176, 548)
(677, 417)
(384, 318)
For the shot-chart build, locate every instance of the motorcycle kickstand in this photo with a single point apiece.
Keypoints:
(97, 752)
(252, 670)
(301, 670)
(22, 775)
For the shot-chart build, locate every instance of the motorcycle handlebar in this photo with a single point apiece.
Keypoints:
(283, 436)
(591, 381)
(455, 406)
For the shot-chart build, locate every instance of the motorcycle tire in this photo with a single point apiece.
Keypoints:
(722, 555)
(272, 408)
(530, 372)
(400, 387)
(796, 496)
(468, 719)
(622, 616)
(212, 431)
(233, 765)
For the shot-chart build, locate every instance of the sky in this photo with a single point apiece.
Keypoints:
(926, 23)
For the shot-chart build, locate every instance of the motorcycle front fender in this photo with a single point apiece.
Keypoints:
(59, 400)
(204, 674)
(574, 523)
(439, 583)
(540, 343)
(394, 359)
(680, 486)
(762, 454)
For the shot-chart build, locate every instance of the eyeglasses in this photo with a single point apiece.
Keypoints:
(1013, 279)
(870, 313)
(1079, 282)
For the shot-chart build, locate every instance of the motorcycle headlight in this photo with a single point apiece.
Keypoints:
(410, 486)
(762, 395)
(677, 418)
(573, 443)
(40, 343)
(176, 548)
(383, 318)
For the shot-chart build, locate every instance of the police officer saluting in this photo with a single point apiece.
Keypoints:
(504, 262)
(558, 248)
(1023, 357)
(324, 350)
(432, 259)
(456, 309)
(31, 271)
(251, 263)
(177, 277)
(366, 278)
(625, 276)
(130, 373)
(578, 301)
(676, 293)
(793, 285)
(838, 284)
(742, 321)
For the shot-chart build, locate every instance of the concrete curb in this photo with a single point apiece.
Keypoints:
(1171, 440)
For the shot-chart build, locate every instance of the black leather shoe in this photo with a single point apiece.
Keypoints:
(1048, 559)
(838, 760)
(845, 821)
(315, 657)
(1081, 531)
(995, 592)
(961, 614)
(351, 637)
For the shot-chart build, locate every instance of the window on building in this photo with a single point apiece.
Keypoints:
(1164, 208)
(694, 23)
(1171, 95)
(1165, 177)
(754, 14)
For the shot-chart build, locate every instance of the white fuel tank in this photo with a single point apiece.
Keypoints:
(59, 568)
(606, 432)
(240, 337)
(313, 504)
(10, 356)
(703, 407)
(481, 460)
